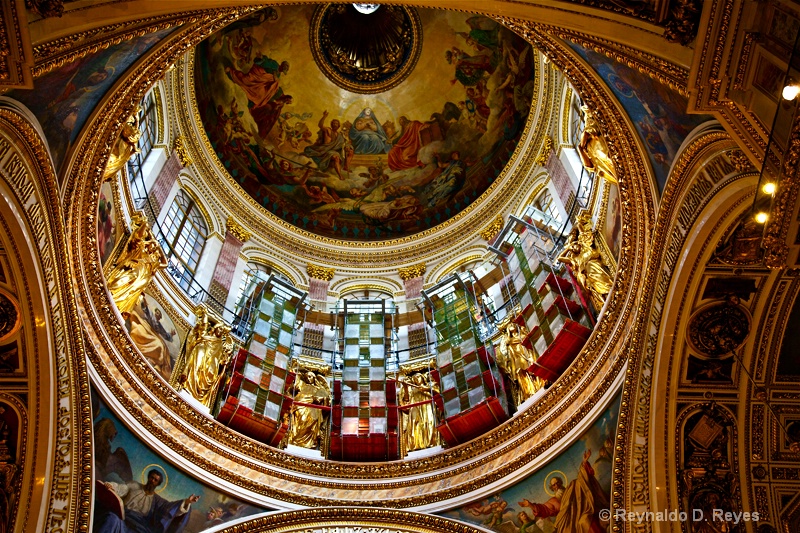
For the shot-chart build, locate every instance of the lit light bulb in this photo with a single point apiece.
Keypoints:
(791, 91)
(761, 217)
(366, 9)
(769, 188)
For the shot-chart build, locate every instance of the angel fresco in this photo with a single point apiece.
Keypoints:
(374, 169)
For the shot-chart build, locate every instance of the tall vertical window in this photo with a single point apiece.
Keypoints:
(577, 124)
(149, 128)
(184, 233)
(545, 203)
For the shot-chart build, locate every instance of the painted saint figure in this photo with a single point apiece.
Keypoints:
(331, 148)
(404, 154)
(151, 337)
(261, 84)
(145, 511)
(367, 134)
(419, 421)
(577, 507)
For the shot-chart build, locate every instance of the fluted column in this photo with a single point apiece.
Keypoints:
(413, 282)
(562, 183)
(318, 283)
(221, 279)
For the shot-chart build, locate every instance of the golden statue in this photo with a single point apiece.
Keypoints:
(419, 421)
(311, 388)
(593, 149)
(132, 271)
(514, 359)
(127, 144)
(587, 264)
(205, 353)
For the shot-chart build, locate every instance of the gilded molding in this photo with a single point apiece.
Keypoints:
(235, 229)
(411, 272)
(663, 71)
(180, 150)
(683, 199)
(15, 54)
(336, 287)
(348, 253)
(565, 118)
(352, 520)
(318, 272)
(157, 409)
(544, 154)
(490, 232)
(32, 181)
(750, 37)
(366, 287)
(58, 52)
(783, 206)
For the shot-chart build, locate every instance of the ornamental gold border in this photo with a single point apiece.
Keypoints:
(631, 462)
(590, 378)
(340, 286)
(58, 52)
(341, 517)
(71, 466)
(335, 252)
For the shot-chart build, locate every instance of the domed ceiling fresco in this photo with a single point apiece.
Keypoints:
(395, 122)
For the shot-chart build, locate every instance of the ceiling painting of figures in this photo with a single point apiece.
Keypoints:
(355, 166)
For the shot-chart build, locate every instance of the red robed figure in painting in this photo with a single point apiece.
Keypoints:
(404, 153)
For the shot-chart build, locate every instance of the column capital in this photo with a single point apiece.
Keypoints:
(318, 272)
(491, 231)
(180, 150)
(544, 155)
(235, 229)
(411, 272)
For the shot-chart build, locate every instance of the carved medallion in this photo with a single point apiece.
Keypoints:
(9, 317)
(366, 53)
(718, 329)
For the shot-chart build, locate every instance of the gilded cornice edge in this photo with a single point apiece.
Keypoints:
(590, 377)
(360, 519)
(58, 52)
(73, 416)
(411, 272)
(343, 253)
(632, 461)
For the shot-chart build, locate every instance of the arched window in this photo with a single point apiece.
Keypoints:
(545, 203)
(585, 178)
(149, 128)
(184, 233)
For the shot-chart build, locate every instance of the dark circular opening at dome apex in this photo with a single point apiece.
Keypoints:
(366, 53)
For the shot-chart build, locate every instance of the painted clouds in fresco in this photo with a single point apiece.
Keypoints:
(385, 165)
(657, 112)
(62, 100)
(120, 458)
(535, 505)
